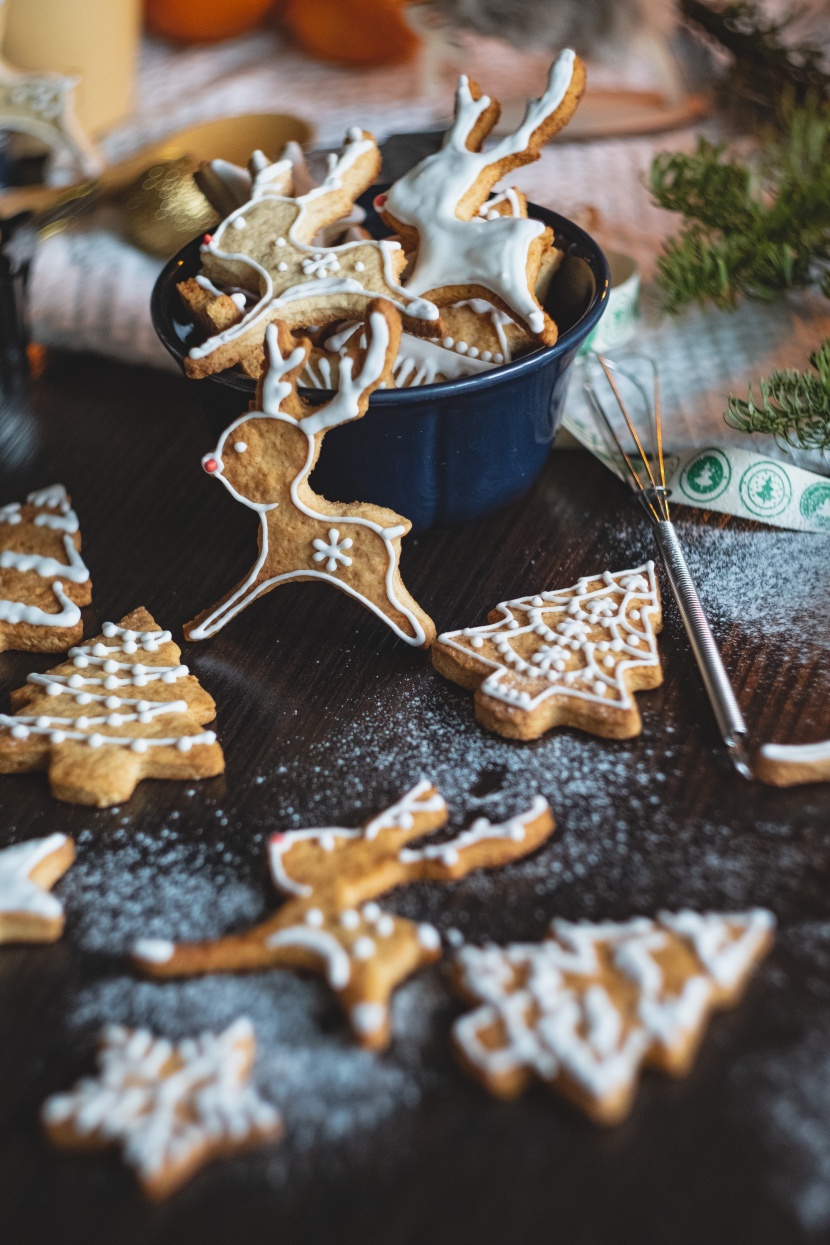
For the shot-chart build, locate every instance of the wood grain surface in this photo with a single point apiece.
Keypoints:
(324, 717)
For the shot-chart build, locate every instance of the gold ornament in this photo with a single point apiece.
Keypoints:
(164, 208)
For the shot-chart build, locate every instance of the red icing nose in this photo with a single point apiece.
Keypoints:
(380, 200)
(208, 239)
(210, 465)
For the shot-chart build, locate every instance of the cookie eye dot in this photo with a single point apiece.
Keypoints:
(240, 446)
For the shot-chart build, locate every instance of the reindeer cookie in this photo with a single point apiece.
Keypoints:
(43, 578)
(330, 922)
(591, 1005)
(463, 246)
(567, 657)
(266, 246)
(120, 708)
(265, 458)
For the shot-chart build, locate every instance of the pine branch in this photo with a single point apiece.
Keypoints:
(753, 228)
(794, 407)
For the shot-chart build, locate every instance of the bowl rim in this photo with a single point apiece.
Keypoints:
(575, 238)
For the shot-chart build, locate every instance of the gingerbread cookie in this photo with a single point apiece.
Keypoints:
(789, 765)
(28, 871)
(43, 578)
(121, 708)
(569, 657)
(464, 246)
(265, 458)
(170, 1106)
(330, 922)
(586, 1009)
(266, 246)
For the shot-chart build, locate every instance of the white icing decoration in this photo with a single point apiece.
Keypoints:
(553, 1023)
(481, 829)
(18, 893)
(343, 407)
(162, 1116)
(59, 728)
(153, 950)
(69, 615)
(332, 551)
(367, 1017)
(489, 253)
(798, 754)
(323, 944)
(264, 188)
(561, 620)
(401, 814)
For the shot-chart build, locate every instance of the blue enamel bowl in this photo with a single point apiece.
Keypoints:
(442, 453)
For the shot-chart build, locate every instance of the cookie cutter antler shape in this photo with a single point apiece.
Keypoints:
(590, 1006)
(330, 922)
(28, 871)
(267, 246)
(436, 206)
(264, 459)
(170, 1106)
(567, 657)
(121, 708)
(43, 578)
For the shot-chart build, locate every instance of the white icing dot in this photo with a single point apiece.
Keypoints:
(363, 949)
(95, 740)
(54, 689)
(143, 706)
(360, 266)
(184, 744)
(42, 721)
(57, 737)
(635, 640)
(314, 917)
(385, 926)
(109, 629)
(144, 718)
(282, 266)
(449, 342)
(498, 357)
(110, 667)
(83, 698)
(473, 352)
(81, 662)
(461, 347)
(429, 937)
(371, 912)
(20, 732)
(486, 355)
(280, 241)
(112, 702)
(139, 745)
(82, 722)
(169, 677)
(240, 447)
(129, 646)
(608, 662)
(635, 614)
(477, 641)
(99, 650)
(349, 919)
(115, 719)
(599, 688)
(75, 680)
(110, 682)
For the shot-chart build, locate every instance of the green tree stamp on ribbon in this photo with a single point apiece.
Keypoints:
(815, 504)
(706, 476)
(765, 489)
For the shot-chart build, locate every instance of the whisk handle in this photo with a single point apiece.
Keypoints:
(715, 679)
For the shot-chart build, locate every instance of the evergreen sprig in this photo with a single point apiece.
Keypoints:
(794, 406)
(753, 227)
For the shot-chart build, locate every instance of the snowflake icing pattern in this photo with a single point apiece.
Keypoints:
(333, 550)
(321, 265)
(171, 1106)
(579, 641)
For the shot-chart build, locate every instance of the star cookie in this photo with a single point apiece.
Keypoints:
(331, 923)
(121, 708)
(590, 1006)
(170, 1106)
(28, 871)
(569, 657)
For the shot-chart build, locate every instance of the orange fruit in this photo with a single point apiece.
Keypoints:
(203, 21)
(350, 32)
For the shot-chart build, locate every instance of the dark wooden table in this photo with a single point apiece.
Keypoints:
(325, 717)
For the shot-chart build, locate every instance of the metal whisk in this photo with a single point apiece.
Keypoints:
(647, 477)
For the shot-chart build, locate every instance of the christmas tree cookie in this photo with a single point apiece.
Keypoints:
(330, 922)
(590, 1006)
(43, 578)
(567, 657)
(121, 708)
